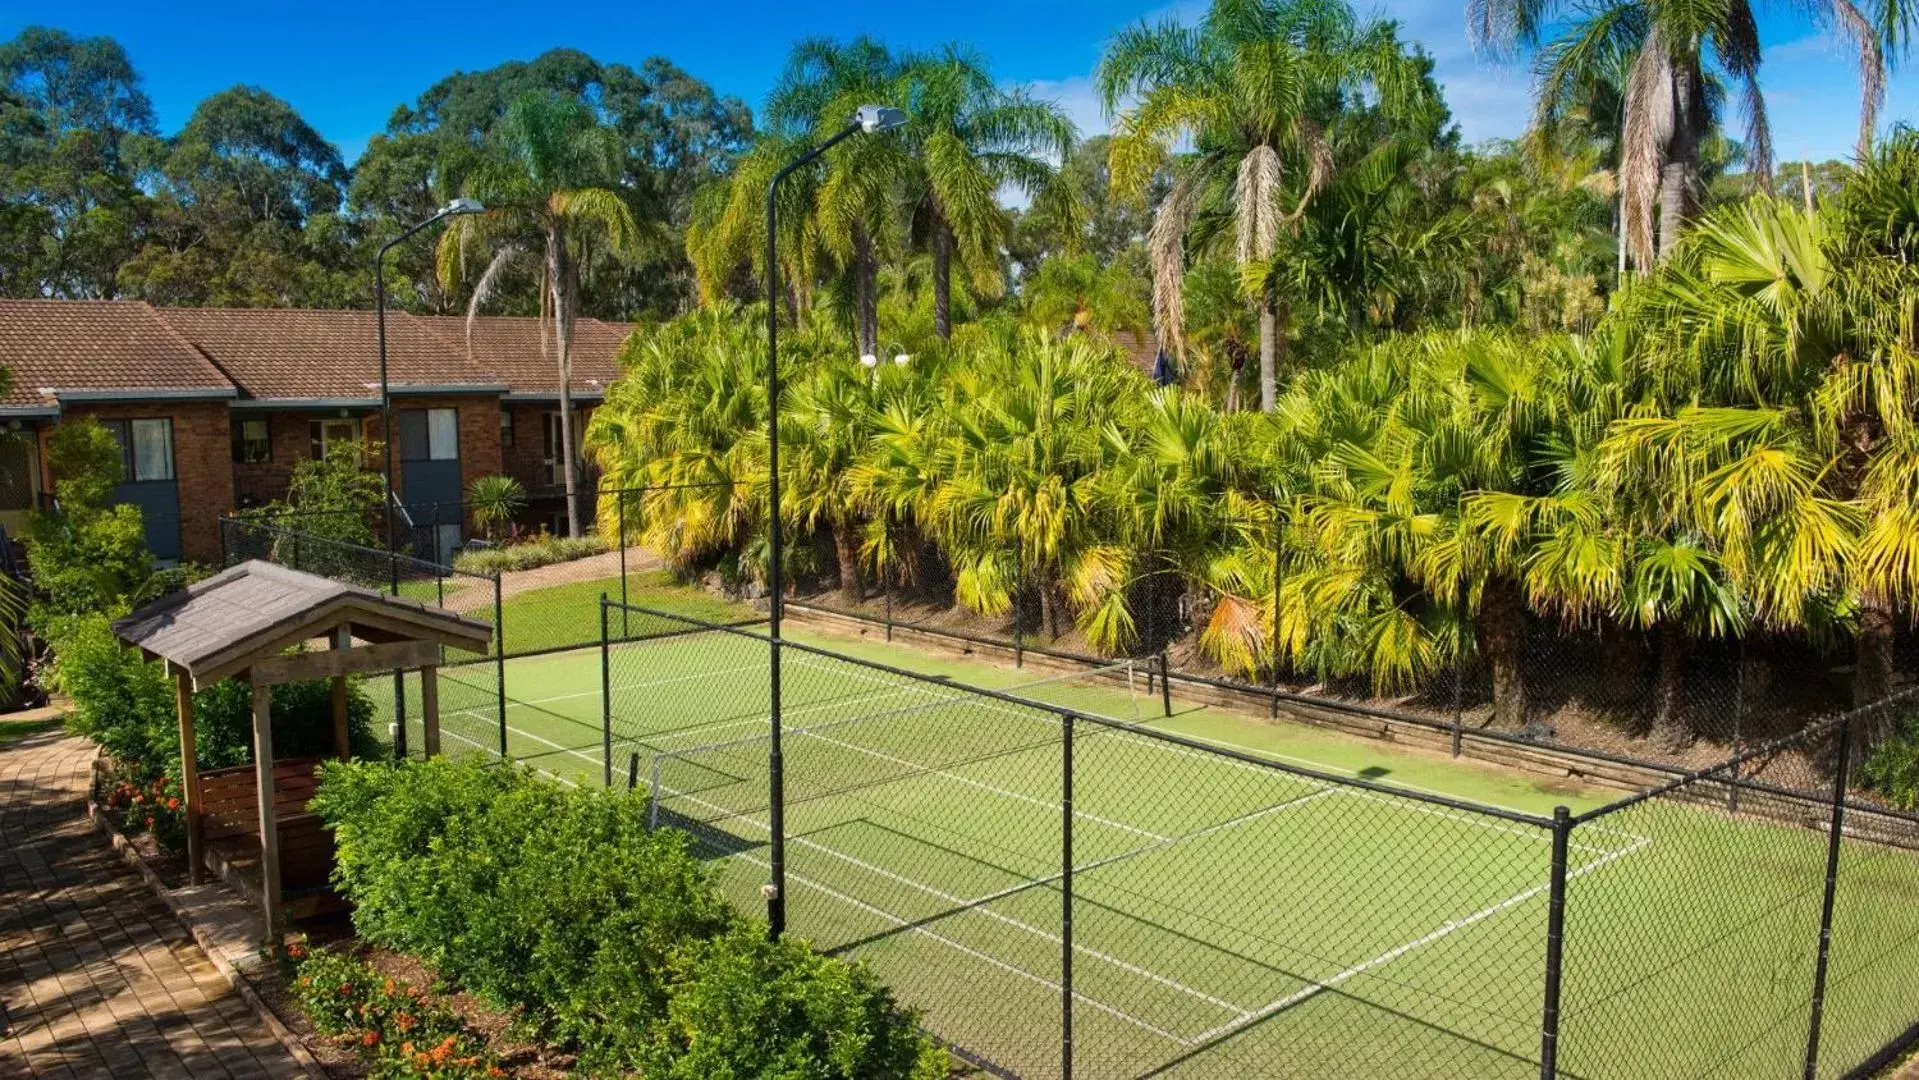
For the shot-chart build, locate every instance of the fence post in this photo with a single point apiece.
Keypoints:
(1840, 782)
(1165, 682)
(775, 887)
(887, 586)
(633, 771)
(1019, 637)
(499, 659)
(1066, 898)
(606, 698)
(1279, 544)
(1459, 674)
(1555, 945)
(625, 630)
(1738, 723)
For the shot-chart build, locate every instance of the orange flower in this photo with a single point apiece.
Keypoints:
(173, 804)
(371, 1038)
(296, 950)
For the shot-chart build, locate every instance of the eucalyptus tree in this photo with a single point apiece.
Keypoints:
(550, 186)
(968, 139)
(1254, 91)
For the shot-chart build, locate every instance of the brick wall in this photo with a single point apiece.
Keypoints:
(202, 464)
(290, 437)
(526, 458)
(479, 424)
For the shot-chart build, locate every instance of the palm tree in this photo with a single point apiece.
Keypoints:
(687, 422)
(1666, 57)
(1253, 90)
(969, 140)
(551, 191)
(1780, 366)
(1077, 294)
(857, 186)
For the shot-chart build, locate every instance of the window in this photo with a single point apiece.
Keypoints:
(252, 442)
(430, 435)
(147, 448)
(551, 447)
(506, 426)
(324, 434)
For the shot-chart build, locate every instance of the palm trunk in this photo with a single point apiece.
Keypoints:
(560, 269)
(1679, 178)
(846, 545)
(1669, 729)
(1049, 607)
(866, 269)
(1268, 354)
(1872, 674)
(1502, 638)
(942, 280)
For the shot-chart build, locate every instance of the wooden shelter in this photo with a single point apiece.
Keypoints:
(245, 623)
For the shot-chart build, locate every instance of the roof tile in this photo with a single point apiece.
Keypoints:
(95, 345)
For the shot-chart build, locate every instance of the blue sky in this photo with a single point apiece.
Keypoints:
(345, 66)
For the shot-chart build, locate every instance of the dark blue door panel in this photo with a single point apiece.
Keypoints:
(159, 504)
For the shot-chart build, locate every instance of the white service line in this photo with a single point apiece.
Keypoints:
(921, 770)
(495, 753)
(1044, 935)
(1396, 952)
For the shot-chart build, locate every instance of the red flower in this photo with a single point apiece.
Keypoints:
(173, 804)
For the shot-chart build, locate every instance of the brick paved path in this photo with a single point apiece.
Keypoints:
(96, 976)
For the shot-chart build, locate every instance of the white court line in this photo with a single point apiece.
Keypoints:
(921, 770)
(1044, 935)
(1143, 849)
(1395, 953)
(496, 754)
(972, 952)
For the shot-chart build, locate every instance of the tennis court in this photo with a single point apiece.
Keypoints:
(1230, 918)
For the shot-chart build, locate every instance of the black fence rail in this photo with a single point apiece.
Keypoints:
(1068, 893)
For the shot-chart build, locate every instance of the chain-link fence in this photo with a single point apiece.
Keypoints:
(1066, 892)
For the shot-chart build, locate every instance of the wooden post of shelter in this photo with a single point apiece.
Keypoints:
(189, 772)
(269, 821)
(342, 744)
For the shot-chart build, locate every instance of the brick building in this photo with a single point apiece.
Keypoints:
(215, 406)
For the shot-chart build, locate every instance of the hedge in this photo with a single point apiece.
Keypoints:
(607, 935)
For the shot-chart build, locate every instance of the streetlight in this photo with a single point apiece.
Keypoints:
(870, 120)
(454, 208)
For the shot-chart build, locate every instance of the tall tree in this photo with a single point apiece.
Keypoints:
(1253, 90)
(970, 140)
(551, 191)
(77, 84)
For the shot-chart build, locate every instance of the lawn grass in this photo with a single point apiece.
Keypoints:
(1229, 919)
(561, 616)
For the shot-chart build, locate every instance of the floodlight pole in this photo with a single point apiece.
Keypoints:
(452, 209)
(869, 118)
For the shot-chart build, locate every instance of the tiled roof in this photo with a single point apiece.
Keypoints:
(308, 354)
(521, 352)
(283, 354)
(95, 346)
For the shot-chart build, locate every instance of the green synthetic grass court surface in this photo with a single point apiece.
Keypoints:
(1230, 920)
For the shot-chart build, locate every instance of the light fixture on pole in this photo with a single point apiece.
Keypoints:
(868, 119)
(454, 208)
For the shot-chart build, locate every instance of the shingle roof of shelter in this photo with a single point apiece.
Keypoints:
(212, 625)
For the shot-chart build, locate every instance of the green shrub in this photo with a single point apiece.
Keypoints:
(562, 903)
(544, 550)
(391, 1025)
(1892, 770)
(743, 1005)
(90, 555)
(496, 501)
